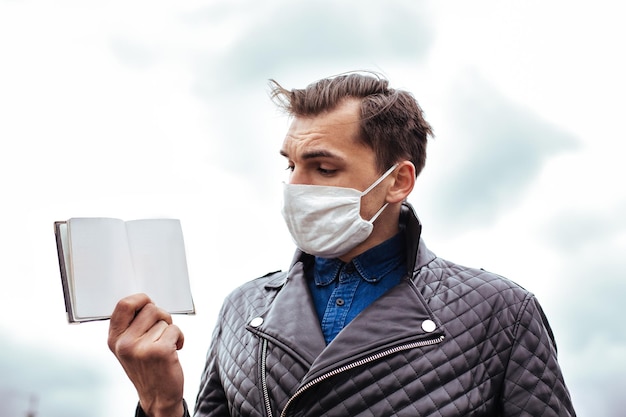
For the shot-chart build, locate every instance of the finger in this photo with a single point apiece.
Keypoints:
(124, 313)
(145, 319)
(173, 335)
(157, 330)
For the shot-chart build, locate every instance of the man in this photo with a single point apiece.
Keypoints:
(367, 321)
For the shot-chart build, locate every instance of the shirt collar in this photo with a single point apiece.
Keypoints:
(372, 265)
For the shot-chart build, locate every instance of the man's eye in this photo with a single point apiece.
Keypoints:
(289, 168)
(325, 171)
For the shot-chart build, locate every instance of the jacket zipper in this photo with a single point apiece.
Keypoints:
(336, 371)
(266, 394)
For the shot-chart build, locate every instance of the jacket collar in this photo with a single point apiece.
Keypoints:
(418, 254)
(291, 320)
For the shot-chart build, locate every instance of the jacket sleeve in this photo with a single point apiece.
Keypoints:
(534, 384)
(211, 400)
(140, 413)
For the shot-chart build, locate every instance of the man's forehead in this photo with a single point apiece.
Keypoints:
(313, 153)
(333, 143)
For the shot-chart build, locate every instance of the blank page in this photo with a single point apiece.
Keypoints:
(160, 264)
(102, 270)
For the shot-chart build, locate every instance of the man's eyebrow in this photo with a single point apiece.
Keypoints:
(315, 154)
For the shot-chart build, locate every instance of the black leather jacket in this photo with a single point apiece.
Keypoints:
(447, 341)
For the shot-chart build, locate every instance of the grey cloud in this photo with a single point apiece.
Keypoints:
(593, 272)
(600, 391)
(592, 299)
(588, 322)
(299, 36)
(590, 330)
(288, 38)
(62, 386)
(495, 152)
(574, 231)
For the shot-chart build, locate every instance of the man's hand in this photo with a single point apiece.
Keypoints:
(145, 341)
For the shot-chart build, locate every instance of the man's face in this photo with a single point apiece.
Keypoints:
(324, 150)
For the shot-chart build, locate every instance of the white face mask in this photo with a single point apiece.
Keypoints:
(326, 221)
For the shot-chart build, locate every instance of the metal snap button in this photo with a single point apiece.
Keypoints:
(428, 326)
(256, 322)
(340, 302)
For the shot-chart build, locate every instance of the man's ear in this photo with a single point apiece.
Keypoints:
(403, 182)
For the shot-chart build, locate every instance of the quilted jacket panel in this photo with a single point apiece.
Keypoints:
(447, 341)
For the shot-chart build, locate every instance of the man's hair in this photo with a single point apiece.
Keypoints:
(392, 122)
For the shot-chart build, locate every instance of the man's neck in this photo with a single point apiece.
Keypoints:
(385, 227)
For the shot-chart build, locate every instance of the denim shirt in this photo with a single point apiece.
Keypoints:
(342, 290)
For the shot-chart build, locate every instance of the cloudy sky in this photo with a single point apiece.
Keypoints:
(135, 109)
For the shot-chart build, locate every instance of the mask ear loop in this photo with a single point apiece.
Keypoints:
(373, 219)
(378, 181)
